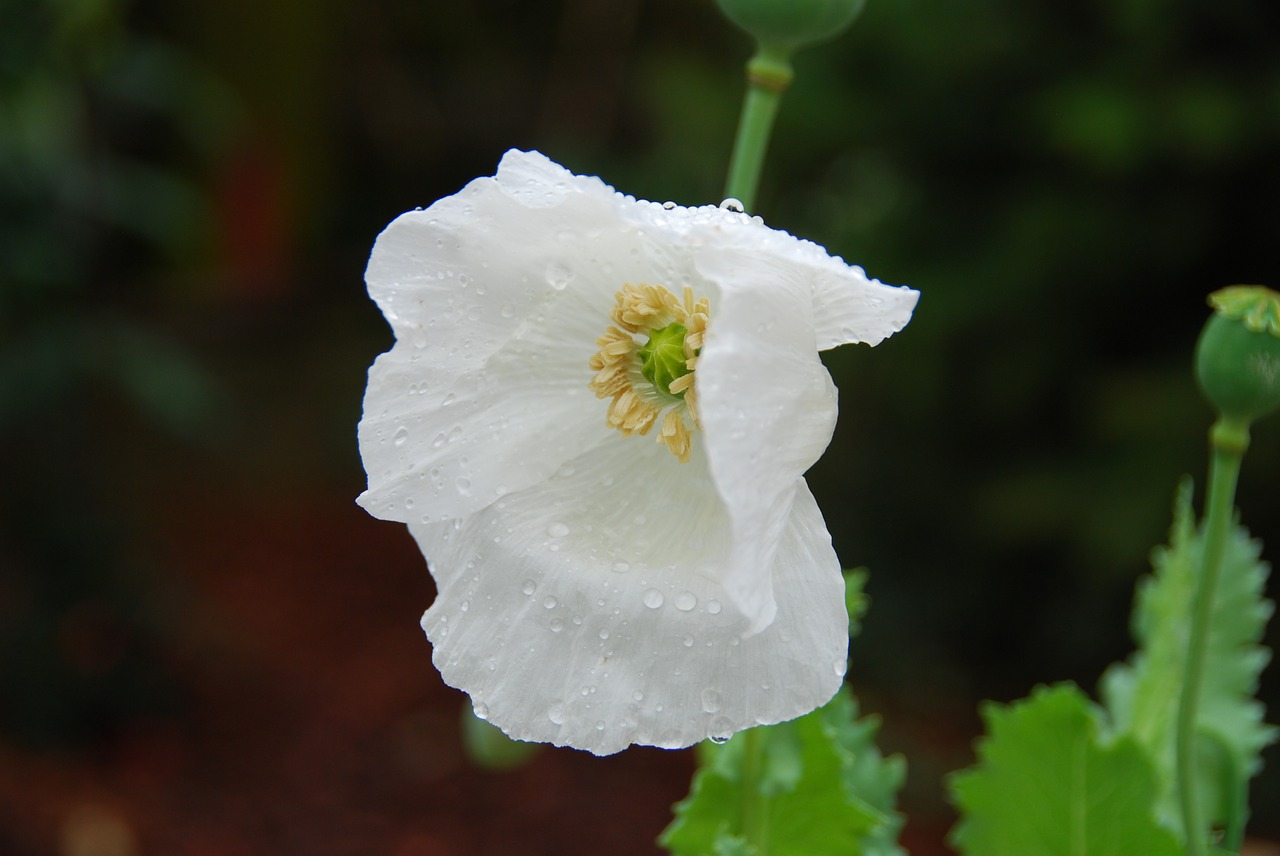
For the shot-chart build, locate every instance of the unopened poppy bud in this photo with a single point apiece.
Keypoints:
(1238, 356)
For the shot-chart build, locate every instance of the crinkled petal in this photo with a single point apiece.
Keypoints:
(575, 613)
(768, 409)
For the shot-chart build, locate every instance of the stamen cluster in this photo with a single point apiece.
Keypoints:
(638, 397)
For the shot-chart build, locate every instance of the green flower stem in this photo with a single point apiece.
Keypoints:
(754, 817)
(768, 75)
(1229, 438)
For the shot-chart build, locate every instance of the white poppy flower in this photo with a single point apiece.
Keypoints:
(598, 588)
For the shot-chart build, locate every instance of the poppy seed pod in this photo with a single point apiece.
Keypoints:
(790, 24)
(1238, 355)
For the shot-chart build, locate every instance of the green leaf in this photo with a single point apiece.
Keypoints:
(1046, 784)
(1142, 694)
(813, 785)
(855, 598)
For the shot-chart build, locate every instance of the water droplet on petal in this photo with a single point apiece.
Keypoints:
(732, 204)
(621, 567)
(528, 587)
(557, 530)
(465, 605)
(721, 729)
(688, 641)
(481, 710)
(686, 601)
(669, 205)
(557, 625)
(401, 436)
(713, 607)
(604, 633)
(550, 602)
(637, 696)
(840, 666)
(556, 714)
(710, 701)
(464, 485)
(558, 276)
(653, 598)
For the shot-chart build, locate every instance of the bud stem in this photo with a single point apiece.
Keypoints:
(768, 75)
(1228, 440)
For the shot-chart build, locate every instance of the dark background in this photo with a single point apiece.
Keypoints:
(207, 648)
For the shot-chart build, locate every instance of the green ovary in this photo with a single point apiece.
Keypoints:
(662, 358)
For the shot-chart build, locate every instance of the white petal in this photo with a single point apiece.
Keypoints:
(848, 307)
(466, 438)
(768, 409)
(558, 638)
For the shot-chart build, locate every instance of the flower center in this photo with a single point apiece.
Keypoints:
(652, 382)
(662, 358)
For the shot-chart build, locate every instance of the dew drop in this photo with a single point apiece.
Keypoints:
(556, 625)
(637, 696)
(688, 641)
(653, 598)
(465, 605)
(710, 701)
(464, 485)
(558, 276)
(401, 436)
(713, 607)
(621, 567)
(732, 204)
(556, 714)
(720, 739)
(528, 587)
(481, 710)
(669, 205)
(840, 666)
(557, 530)
(604, 633)
(686, 601)
(439, 440)
(550, 602)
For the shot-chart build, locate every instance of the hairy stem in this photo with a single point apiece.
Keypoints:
(1228, 440)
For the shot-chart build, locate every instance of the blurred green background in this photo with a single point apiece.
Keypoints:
(206, 647)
